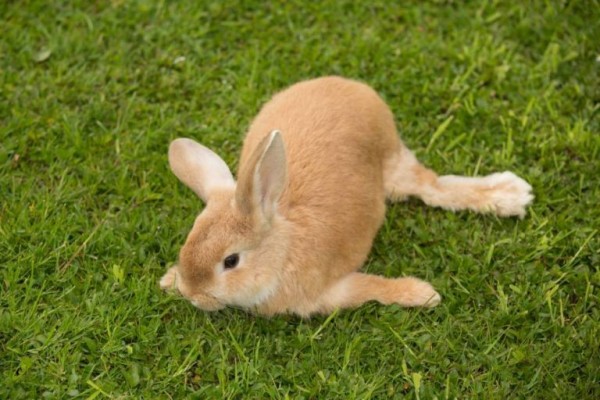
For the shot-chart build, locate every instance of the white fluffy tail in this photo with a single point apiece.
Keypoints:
(503, 194)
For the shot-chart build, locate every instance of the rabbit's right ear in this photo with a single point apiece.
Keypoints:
(262, 180)
(199, 168)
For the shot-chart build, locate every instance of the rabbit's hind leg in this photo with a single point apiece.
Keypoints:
(503, 194)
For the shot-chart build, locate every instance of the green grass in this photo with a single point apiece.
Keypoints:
(91, 217)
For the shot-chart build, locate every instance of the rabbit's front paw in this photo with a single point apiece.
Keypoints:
(413, 292)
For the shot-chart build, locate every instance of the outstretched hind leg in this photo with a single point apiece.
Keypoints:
(503, 194)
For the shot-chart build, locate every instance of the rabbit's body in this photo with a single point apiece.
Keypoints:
(302, 220)
(337, 133)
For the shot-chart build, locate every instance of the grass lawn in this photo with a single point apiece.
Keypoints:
(91, 94)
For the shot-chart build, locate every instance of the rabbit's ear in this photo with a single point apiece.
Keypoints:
(263, 179)
(199, 168)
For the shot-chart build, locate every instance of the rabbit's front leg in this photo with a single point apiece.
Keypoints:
(357, 288)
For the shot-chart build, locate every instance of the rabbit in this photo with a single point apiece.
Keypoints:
(317, 165)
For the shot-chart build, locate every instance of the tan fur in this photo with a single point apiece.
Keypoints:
(309, 202)
(503, 194)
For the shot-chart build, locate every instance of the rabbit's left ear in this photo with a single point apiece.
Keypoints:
(199, 168)
(262, 181)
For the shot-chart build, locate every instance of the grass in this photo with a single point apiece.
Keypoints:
(91, 93)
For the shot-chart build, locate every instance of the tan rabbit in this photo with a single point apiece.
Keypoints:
(317, 165)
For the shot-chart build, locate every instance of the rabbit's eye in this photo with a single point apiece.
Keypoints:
(231, 261)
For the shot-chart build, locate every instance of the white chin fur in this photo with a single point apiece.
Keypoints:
(246, 298)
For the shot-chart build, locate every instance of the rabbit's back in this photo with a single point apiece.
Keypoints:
(337, 134)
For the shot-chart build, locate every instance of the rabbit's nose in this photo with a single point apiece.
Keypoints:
(169, 280)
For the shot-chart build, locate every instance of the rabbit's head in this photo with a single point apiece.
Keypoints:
(234, 252)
